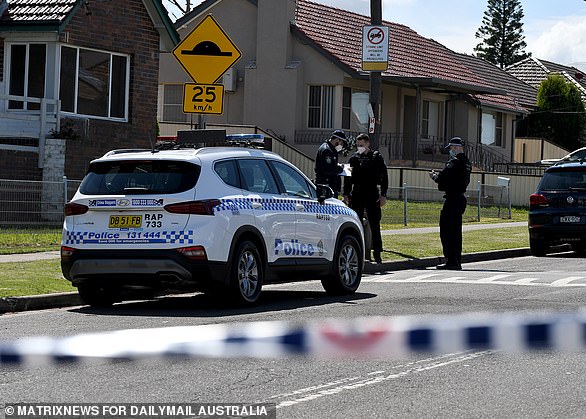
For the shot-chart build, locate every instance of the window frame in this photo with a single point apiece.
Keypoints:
(24, 106)
(164, 104)
(325, 108)
(111, 54)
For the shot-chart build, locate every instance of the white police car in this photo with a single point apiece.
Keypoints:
(223, 220)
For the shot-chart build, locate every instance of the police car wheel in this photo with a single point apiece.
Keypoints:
(96, 295)
(246, 274)
(346, 269)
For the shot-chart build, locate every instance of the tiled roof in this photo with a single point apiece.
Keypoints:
(339, 33)
(39, 11)
(520, 95)
(533, 71)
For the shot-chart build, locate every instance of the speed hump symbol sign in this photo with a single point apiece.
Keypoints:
(207, 52)
(203, 98)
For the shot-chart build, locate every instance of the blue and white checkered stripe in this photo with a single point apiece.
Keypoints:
(165, 237)
(282, 205)
(366, 337)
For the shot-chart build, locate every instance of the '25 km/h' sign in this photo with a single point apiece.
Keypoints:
(203, 98)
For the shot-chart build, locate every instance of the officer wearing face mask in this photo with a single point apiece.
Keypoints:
(361, 190)
(327, 168)
(453, 180)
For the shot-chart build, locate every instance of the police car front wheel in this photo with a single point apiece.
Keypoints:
(346, 269)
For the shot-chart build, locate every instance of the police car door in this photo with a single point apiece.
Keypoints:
(275, 218)
(313, 234)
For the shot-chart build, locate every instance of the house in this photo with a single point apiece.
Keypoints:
(533, 71)
(300, 77)
(77, 78)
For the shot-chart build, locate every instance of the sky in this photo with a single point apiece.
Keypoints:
(555, 30)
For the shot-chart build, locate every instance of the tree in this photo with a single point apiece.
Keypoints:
(560, 117)
(503, 42)
(178, 8)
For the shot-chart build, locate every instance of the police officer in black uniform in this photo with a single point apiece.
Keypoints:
(453, 180)
(361, 190)
(327, 169)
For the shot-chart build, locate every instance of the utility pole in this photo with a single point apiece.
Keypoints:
(376, 19)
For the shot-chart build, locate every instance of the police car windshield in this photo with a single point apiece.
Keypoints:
(139, 177)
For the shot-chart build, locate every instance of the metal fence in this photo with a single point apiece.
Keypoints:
(417, 205)
(26, 205)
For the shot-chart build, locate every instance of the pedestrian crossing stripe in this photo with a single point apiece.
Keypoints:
(501, 279)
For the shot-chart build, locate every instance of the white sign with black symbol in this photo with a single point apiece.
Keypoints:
(375, 48)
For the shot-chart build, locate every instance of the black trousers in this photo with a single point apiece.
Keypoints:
(451, 227)
(374, 214)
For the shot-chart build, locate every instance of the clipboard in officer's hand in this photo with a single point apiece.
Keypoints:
(347, 170)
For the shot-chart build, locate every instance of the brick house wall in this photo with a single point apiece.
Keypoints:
(122, 27)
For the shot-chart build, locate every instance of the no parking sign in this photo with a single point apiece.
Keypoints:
(375, 48)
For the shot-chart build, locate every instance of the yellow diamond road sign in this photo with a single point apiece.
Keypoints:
(207, 52)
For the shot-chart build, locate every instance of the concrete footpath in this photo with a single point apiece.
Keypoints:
(69, 299)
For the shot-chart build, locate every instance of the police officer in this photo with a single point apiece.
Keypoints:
(327, 169)
(361, 190)
(453, 180)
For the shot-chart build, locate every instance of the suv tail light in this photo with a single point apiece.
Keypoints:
(74, 209)
(194, 252)
(66, 252)
(538, 201)
(204, 207)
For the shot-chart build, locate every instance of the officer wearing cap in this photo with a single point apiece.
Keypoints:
(327, 169)
(361, 190)
(453, 180)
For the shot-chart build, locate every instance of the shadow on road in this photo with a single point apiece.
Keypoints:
(201, 305)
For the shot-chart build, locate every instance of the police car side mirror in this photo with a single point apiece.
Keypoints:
(324, 192)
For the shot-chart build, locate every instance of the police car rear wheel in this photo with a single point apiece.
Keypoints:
(246, 275)
(347, 269)
(96, 295)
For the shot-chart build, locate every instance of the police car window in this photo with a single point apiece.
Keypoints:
(293, 182)
(257, 177)
(136, 177)
(228, 172)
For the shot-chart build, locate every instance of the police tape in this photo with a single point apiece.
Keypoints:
(377, 337)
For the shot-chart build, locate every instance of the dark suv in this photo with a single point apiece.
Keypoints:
(557, 211)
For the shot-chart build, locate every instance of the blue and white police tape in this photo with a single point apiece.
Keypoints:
(378, 337)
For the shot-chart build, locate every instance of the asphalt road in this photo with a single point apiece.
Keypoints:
(471, 384)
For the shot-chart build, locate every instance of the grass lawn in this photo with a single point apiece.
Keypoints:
(415, 246)
(32, 278)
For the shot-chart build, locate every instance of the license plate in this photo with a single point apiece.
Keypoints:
(125, 221)
(570, 219)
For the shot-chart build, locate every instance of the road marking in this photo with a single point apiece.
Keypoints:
(354, 383)
(566, 281)
(493, 278)
(524, 281)
(420, 277)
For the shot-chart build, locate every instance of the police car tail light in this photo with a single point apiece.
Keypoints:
(74, 209)
(538, 201)
(66, 252)
(194, 252)
(204, 207)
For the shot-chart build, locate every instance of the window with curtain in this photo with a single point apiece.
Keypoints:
(492, 128)
(321, 107)
(355, 110)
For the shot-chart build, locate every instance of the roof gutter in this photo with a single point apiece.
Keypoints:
(447, 85)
